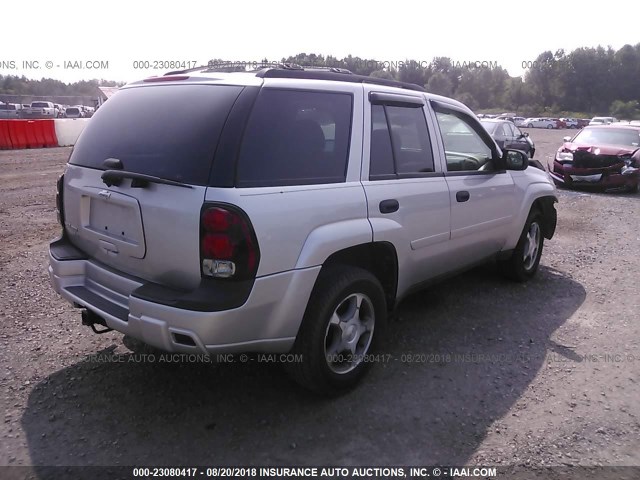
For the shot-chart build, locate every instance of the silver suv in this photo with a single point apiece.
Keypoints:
(284, 210)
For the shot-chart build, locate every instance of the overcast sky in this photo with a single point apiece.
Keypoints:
(123, 32)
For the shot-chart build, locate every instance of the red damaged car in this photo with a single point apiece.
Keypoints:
(605, 157)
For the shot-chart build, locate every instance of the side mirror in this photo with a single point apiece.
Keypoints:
(525, 134)
(566, 139)
(515, 159)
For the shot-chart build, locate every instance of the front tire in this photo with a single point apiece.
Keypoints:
(344, 317)
(523, 263)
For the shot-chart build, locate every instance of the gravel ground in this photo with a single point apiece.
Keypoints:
(478, 371)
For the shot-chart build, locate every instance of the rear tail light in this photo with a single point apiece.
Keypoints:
(59, 200)
(228, 244)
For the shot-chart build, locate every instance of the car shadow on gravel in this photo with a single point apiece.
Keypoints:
(457, 358)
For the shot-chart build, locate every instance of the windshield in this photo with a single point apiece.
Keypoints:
(627, 137)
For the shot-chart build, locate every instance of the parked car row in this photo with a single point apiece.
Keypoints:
(44, 109)
(543, 122)
(604, 155)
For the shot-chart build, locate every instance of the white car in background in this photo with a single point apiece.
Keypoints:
(519, 121)
(10, 110)
(538, 123)
(570, 122)
(602, 120)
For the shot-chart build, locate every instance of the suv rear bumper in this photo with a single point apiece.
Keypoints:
(267, 321)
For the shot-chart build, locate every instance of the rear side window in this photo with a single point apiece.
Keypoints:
(168, 131)
(400, 143)
(296, 138)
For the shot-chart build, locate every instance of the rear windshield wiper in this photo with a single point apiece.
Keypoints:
(138, 180)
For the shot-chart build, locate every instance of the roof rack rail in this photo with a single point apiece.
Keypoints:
(332, 73)
(291, 66)
(292, 70)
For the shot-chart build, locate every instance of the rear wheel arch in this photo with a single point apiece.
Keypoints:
(378, 258)
(345, 319)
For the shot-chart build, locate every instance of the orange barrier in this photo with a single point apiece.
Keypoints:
(5, 138)
(30, 134)
(38, 133)
(49, 131)
(17, 132)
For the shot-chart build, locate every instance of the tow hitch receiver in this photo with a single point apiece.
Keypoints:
(91, 319)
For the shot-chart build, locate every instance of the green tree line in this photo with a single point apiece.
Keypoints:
(14, 85)
(587, 81)
(590, 81)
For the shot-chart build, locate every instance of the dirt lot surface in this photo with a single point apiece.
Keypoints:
(479, 370)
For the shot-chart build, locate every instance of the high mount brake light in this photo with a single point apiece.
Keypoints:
(169, 78)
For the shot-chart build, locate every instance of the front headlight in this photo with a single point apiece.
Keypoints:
(564, 156)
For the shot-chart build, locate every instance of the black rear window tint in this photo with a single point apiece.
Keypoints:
(296, 137)
(168, 131)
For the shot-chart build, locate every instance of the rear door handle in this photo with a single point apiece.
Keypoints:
(389, 206)
(462, 196)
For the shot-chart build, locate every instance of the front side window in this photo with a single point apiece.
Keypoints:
(465, 149)
(400, 142)
(296, 137)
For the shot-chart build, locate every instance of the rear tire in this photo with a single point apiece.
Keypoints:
(525, 259)
(345, 316)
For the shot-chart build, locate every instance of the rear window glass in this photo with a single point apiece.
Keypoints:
(296, 138)
(40, 104)
(168, 131)
(72, 111)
